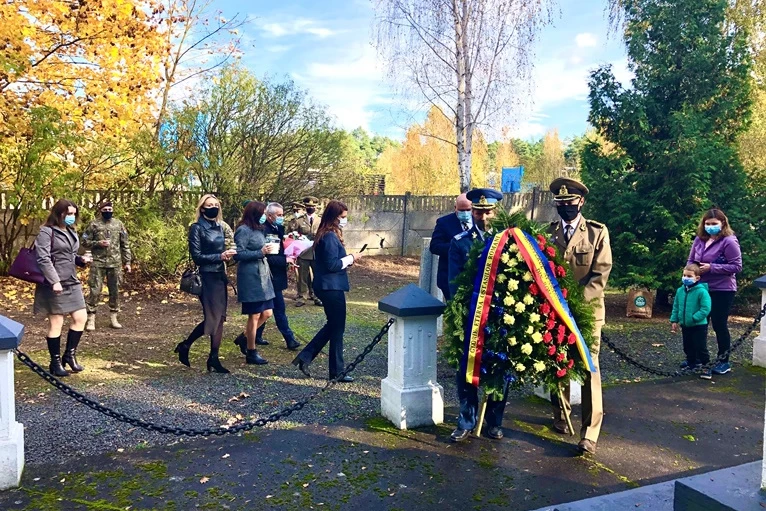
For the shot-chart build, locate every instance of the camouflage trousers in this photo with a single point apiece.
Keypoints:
(96, 283)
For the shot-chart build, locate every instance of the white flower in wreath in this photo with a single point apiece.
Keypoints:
(512, 341)
(513, 263)
(528, 277)
(501, 278)
(509, 300)
(505, 258)
(526, 349)
(513, 285)
(528, 300)
(539, 367)
(534, 318)
(520, 368)
(530, 330)
(520, 307)
(537, 337)
(513, 248)
(508, 319)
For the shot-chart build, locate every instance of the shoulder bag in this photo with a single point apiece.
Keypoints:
(25, 267)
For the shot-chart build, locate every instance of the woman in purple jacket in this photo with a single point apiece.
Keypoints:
(716, 250)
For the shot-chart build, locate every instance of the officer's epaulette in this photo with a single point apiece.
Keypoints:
(461, 235)
(595, 224)
(555, 222)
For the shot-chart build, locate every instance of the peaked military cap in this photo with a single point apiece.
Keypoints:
(565, 188)
(484, 198)
(310, 202)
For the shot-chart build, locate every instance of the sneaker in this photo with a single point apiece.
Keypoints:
(684, 365)
(721, 368)
(706, 374)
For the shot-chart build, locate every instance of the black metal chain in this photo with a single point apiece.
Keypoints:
(220, 430)
(734, 346)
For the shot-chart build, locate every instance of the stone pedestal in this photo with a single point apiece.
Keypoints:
(759, 343)
(428, 278)
(410, 397)
(11, 432)
(575, 393)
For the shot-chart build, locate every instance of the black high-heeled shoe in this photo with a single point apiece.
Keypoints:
(213, 364)
(241, 342)
(70, 358)
(183, 353)
(302, 366)
(252, 357)
(56, 369)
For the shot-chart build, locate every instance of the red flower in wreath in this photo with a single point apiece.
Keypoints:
(561, 271)
(561, 373)
(561, 357)
(562, 330)
(550, 324)
(564, 292)
(572, 339)
(560, 338)
(570, 364)
(533, 289)
(541, 239)
(547, 338)
(550, 251)
(552, 265)
(551, 350)
(545, 308)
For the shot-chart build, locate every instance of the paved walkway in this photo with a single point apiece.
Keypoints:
(654, 432)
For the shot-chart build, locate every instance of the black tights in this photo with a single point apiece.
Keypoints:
(215, 339)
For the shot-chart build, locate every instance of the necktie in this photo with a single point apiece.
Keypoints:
(568, 233)
(465, 227)
(311, 221)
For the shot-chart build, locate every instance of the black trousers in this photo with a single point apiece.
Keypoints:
(469, 406)
(334, 303)
(280, 318)
(695, 344)
(721, 302)
(445, 292)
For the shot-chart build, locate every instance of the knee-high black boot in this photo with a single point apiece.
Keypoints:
(54, 349)
(70, 355)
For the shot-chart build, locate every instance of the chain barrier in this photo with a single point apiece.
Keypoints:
(672, 374)
(220, 430)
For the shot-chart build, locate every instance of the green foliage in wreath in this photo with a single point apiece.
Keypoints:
(525, 342)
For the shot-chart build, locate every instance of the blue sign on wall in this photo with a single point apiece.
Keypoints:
(511, 179)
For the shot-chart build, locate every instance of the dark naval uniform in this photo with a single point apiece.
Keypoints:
(483, 200)
(585, 245)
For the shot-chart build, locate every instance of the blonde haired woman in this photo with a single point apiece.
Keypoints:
(210, 247)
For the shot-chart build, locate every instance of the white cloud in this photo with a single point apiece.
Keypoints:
(586, 40)
(295, 27)
(278, 48)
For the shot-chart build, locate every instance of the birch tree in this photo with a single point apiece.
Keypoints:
(470, 58)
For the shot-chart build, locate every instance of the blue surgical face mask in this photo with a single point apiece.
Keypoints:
(279, 220)
(262, 220)
(688, 281)
(70, 219)
(713, 229)
(464, 216)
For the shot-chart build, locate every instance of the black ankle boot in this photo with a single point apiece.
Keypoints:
(56, 369)
(213, 364)
(252, 357)
(70, 355)
(54, 349)
(241, 342)
(183, 353)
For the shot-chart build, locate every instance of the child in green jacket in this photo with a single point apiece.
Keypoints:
(691, 308)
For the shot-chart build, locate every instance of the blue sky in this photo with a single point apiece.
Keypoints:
(326, 48)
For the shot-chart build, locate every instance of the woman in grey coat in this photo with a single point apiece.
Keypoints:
(254, 288)
(61, 293)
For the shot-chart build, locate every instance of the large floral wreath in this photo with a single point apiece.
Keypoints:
(524, 340)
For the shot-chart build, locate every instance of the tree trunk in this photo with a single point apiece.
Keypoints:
(463, 159)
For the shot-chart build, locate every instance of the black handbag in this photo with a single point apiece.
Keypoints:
(191, 282)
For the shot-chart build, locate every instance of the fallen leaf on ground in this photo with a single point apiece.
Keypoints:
(204, 480)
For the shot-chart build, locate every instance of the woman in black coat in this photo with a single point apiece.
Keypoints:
(330, 286)
(207, 247)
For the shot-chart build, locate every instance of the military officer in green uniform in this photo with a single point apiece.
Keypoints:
(585, 245)
(297, 212)
(307, 225)
(107, 239)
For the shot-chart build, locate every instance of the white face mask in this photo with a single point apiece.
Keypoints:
(343, 222)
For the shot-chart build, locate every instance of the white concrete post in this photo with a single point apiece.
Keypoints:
(410, 396)
(11, 432)
(759, 343)
(429, 272)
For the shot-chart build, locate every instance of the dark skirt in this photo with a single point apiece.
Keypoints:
(49, 303)
(249, 308)
(214, 299)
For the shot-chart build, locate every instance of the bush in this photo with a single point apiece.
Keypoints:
(159, 239)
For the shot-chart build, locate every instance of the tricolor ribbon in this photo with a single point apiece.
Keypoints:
(481, 299)
(543, 274)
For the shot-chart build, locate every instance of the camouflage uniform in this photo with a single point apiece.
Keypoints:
(107, 261)
(307, 226)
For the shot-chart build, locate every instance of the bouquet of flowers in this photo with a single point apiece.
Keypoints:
(518, 316)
